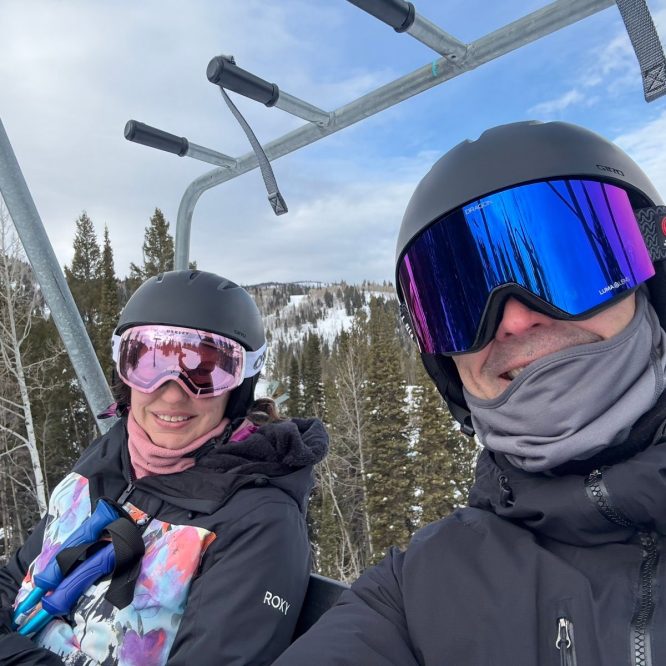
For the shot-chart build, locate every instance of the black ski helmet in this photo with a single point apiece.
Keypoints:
(503, 157)
(206, 301)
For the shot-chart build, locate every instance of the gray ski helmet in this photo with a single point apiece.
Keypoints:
(206, 301)
(502, 157)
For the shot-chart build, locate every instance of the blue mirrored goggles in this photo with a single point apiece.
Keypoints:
(566, 247)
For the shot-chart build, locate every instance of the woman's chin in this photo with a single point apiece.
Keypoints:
(170, 434)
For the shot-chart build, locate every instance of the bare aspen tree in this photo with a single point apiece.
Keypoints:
(19, 297)
(344, 539)
(345, 556)
(352, 420)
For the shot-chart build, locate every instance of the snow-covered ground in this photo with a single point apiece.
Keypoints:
(336, 319)
(328, 325)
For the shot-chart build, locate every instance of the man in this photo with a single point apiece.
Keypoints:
(524, 273)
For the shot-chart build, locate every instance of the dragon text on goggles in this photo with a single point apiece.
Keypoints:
(206, 364)
(573, 244)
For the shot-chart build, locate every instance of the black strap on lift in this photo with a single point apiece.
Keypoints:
(228, 64)
(647, 47)
(128, 546)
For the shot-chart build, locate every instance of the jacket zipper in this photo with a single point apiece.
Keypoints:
(641, 649)
(126, 493)
(598, 493)
(640, 623)
(564, 642)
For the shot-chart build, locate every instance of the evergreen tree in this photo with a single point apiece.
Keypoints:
(84, 281)
(313, 387)
(64, 423)
(444, 457)
(295, 402)
(83, 275)
(109, 305)
(323, 519)
(389, 483)
(158, 249)
(31, 387)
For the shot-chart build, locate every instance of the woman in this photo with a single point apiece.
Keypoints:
(198, 494)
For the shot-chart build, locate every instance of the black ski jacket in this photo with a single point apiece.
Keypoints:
(540, 570)
(227, 555)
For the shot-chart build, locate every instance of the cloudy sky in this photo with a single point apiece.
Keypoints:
(73, 72)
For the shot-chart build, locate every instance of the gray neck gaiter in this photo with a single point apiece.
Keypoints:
(571, 404)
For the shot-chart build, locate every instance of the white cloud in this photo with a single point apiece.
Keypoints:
(558, 104)
(342, 223)
(646, 146)
(73, 72)
(605, 72)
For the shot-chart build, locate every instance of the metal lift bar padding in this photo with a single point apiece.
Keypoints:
(156, 138)
(396, 13)
(226, 74)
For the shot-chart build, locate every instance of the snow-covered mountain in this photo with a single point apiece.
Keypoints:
(294, 310)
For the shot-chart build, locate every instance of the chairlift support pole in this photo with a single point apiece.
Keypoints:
(52, 282)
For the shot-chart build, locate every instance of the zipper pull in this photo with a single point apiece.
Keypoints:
(125, 494)
(506, 494)
(563, 634)
(564, 642)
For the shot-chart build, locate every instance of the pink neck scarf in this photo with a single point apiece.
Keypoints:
(149, 459)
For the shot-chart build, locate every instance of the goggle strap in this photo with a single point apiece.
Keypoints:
(407, 322)
(115, 347)
(652, 223)
(254, 361)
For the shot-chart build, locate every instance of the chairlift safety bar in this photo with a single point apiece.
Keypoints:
(538, 24)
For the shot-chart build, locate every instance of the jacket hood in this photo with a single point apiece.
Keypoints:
(273, 449)
(600, 501)
(280, 454)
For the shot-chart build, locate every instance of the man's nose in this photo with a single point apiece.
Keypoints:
(518, 319)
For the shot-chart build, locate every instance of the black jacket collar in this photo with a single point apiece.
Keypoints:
(560, 506)
(280, 455)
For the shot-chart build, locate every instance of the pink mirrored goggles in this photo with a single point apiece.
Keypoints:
(205, 364)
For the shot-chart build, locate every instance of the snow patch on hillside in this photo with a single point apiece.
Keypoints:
(297, 299)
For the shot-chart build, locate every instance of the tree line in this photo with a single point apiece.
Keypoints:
(397, 460)
(45, 422)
